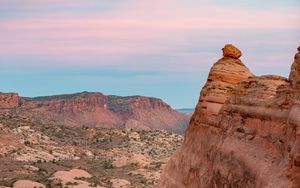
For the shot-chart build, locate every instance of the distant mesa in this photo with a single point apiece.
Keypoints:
(92, 109)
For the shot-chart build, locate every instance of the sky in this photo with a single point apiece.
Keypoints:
(158, 48)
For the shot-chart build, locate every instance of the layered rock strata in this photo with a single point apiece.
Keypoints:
(97, 110)
(245, 132)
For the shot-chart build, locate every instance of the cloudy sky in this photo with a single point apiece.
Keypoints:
(160, 48)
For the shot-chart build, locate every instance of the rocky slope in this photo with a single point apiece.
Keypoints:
(9, 100)
(97, 110)
(245, 131)
(34, 155)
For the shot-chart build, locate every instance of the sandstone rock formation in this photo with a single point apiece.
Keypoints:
(27, 184)
(231, 51)
(225, 74)
(9, 100)
(97, 110)
(295, 71)
(245, 132)
(74, 178)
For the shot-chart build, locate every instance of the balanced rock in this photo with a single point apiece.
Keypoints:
(231, 51)
(245, 132)
(224, 75)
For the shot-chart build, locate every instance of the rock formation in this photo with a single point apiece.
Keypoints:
(225, 74)
(231, 51)
(245, 131)
(9, 100)
(295, 71)
(97, 110)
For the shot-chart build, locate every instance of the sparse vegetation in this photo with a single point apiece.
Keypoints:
(107, 164)
(71, 183)
(26, 142)
(109, 147)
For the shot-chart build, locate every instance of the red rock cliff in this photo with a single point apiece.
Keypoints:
(245, 131)
(98, 110)
(147, 113)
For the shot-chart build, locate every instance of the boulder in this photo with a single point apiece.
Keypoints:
(231, 51)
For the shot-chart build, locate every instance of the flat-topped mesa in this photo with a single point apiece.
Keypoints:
(94, 109)
(68, 103)
(224, 75)
(295, 71)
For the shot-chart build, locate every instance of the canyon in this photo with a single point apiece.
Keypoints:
(245, 131)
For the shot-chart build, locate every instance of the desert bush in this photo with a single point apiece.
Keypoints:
(107, 164)
(26, 142)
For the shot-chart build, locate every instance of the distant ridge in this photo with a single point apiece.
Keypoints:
(186, 111)
(94, 109)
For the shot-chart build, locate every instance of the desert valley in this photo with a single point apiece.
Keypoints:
(243, 133)
(86, 140)
(149, 94)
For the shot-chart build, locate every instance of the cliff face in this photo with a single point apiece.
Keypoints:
(147, 113)
(97, 110)
(244, 133)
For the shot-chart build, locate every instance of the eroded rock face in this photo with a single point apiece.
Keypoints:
(225, 74)
(252, 140)
(295, 71)
(98, 110)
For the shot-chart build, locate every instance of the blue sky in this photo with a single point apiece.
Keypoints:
(137, 47)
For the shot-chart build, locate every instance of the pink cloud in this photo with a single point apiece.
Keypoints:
(47, 3)
(133, 28)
